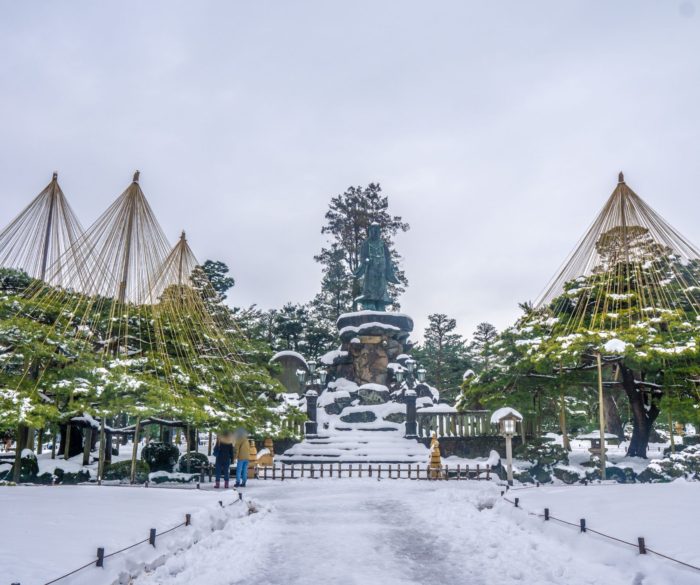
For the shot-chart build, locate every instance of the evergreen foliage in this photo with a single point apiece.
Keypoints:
(444, 355)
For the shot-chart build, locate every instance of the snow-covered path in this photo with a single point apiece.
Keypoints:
(349, 532)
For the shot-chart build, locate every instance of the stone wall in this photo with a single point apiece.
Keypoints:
(472, 447)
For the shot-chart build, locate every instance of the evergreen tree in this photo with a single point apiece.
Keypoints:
(481, 348)
(348, 219)
(216, 272)
(444, 355)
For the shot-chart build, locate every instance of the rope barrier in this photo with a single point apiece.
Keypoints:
(112, 554)
(582, 526)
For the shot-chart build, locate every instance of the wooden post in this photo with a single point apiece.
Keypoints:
(546, 513)
(87, 445)
(601, 411)
(100, 557)
(583, 524)
(670, 428)
(188, 519)
(101, 465)
(152, 537)
(517, 500)
(134, 448)
(209, 447)
(642, 546)
(562, 414)
(53, 444)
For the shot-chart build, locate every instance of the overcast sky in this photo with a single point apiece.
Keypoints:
(496, 128)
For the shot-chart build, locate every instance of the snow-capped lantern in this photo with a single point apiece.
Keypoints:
(301, 376)
(507, 419)
(322, 375)
(411, 365)
(420, 374)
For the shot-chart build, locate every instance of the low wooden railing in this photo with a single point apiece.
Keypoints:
(371, 470)
(471, 423)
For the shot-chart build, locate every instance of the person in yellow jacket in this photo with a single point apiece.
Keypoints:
(242, 451)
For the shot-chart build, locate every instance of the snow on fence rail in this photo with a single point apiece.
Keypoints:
(472, 423)
(100, 556)
(370, 470)
(640, 545)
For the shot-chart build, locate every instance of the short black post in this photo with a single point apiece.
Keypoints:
(642, 546)
(537, 484)
(221, 503)
(100, 557)
(583, 525)
(240, 496)
(516, 502)
(188, 519)
(546, 513)
(411, 427)
(502, 493)
(152, 537)
(201, 475)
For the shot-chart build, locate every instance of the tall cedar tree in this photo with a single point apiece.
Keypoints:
(444, 355)
(348, 219)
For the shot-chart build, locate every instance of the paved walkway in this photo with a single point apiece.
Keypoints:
(365, 532)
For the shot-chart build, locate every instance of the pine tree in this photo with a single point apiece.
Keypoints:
(481, 348)
(348, 219)
(444, 355)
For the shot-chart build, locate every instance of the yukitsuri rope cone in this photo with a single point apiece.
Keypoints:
(639, 260)
(140, 314)
(40, 234)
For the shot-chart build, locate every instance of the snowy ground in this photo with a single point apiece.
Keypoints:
(353, 531)
(53, 530)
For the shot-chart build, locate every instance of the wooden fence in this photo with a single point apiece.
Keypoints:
(371, 470)
(471, 423)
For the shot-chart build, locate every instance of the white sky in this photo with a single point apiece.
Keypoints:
(497, 128)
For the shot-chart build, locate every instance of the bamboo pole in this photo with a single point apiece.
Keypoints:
(134, 449)
(601, 410)
(562, 414)
(670, 428)
(100, 468)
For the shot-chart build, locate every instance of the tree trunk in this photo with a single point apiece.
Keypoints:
(20, 444)
(643, 417)
(87, 445)
(562, 421)
(613, 422)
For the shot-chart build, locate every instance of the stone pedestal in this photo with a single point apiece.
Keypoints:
(411, 426)
(370, 340)
(311, 425)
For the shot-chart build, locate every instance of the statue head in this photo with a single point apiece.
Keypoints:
(374, 231)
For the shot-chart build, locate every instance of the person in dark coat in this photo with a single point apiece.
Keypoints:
(223, 451)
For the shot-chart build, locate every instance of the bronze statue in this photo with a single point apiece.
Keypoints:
(377, 270)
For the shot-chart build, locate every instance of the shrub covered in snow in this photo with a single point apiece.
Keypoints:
(160, 456)
(197, 462)
(70, 478)
(544, 456)
(684, 464)
(29, 466)
(121, 471)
